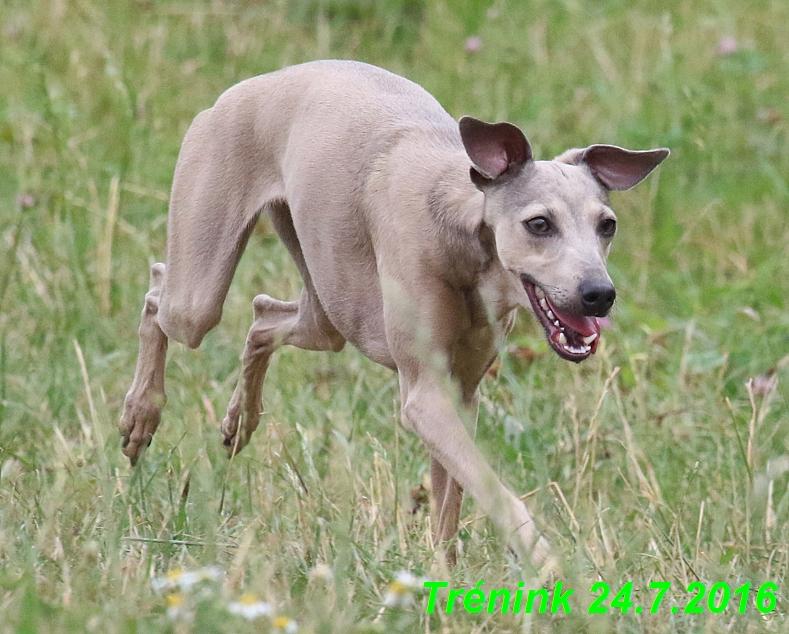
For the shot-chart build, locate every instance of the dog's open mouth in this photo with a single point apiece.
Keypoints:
(573, 337)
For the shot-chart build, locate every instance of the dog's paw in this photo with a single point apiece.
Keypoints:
(234, 433)
(541, 553)
(545, 563)
(140, 419)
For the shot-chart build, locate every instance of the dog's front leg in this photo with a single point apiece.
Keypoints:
(425, 322)
(431, 413)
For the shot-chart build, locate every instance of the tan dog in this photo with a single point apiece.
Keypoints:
(416, 238)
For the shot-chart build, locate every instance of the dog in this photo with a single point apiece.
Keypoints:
(417, 239)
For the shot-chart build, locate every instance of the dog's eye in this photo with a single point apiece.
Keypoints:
(539, 226)
(607, 227)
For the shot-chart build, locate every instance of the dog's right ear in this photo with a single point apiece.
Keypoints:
(495, 149)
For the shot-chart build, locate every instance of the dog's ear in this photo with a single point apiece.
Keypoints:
(495, 149)
(614, 167)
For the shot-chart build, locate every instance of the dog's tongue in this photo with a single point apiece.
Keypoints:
(584, 326)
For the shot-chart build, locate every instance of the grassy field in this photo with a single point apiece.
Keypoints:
(664, 458)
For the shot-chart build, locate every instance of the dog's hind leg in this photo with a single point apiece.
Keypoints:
(220, 185)
(214, 205)
(142, 407)
(303, 324)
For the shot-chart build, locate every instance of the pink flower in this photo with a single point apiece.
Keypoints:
(727, 46)
(473, 44)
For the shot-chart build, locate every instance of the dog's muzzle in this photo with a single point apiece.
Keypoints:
(572, 336)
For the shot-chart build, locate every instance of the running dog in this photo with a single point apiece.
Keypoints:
(417, 238)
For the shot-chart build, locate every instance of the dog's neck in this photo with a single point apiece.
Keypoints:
(458, 207)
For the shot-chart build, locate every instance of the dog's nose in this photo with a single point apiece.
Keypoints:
(597, 297)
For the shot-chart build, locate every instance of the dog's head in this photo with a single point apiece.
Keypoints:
(553, 224)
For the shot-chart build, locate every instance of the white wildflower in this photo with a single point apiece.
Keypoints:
(168, 582)
(186, 580)
(400, 592)
(249, 607)
(284, 624)
(178, 607)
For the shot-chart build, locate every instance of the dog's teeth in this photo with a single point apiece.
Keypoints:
(579, 350)
(558, 324)
(539, 292)
(544, 304)
(551, 316)
(588, 340)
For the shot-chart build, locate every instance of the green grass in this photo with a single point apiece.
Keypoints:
(650, 461)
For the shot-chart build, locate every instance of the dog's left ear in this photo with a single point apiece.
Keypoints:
(614, 167)
(495, 149)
